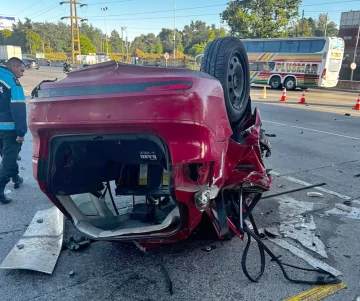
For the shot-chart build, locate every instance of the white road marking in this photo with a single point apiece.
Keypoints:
(316, 263)
(303, 183)
(341, 196)
(312, 130)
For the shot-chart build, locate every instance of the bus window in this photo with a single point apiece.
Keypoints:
(289, 46)
(253, 66)
(271, 46)
(304, 46)
(255, 47)
(317, 45)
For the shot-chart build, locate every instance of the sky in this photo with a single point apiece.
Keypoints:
(144, 16)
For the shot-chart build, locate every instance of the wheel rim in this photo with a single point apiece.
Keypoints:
(236, 81)
(275, 82)
(290, 84)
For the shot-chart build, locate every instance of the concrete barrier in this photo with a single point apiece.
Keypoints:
(348, 85)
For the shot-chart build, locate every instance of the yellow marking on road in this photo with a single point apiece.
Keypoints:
(318, 292)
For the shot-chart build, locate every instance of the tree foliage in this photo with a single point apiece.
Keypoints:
(86, 46)
(315, 27)
(259, 18)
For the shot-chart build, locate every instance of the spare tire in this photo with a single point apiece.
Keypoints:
(226, 60)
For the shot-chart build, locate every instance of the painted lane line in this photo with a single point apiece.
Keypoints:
(313, 130)
(316, 263)
(303, 183)
(319, 292)
(341, 196)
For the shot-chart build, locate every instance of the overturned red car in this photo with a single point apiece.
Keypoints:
(145, 154)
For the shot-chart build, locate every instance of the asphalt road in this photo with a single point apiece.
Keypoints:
(315, 143)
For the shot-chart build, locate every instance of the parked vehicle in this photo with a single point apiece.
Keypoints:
(8, 51)
(295, 62)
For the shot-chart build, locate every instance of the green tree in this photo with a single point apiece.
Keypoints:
(197, 49)
(323, 23)
(115, 42)
(4, 35)
(259, 18)
(159, 49)
(166, 37)
(33, 41)
(302, 29)
(86, 46)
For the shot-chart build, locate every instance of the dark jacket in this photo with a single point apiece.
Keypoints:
(12, 103)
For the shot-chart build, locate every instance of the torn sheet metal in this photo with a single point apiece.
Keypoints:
(304, 233)
(316, 263)
(40, 246)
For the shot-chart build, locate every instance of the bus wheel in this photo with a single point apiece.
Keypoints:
(226, 60)
(290, 83)
(275, 82)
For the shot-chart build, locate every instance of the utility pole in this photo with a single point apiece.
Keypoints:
(107, 45)
(75, 32)
(355, 50)
(174, 29)
(302, 24)
(122, 40)
(326, 22)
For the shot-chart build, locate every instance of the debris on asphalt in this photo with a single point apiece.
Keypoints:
(208, 248)
(348, 203)
(343, 207)
(20, 246)
(76, 243)
(315, 194)
(270, 135)
(280, 185)
(347, 114)
(72, 273)
(347, 256)
(357, 176)
(40, 221)
(302, 132)
(272, 232)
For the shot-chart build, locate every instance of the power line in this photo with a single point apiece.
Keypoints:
(28, 7)
(152, 18)
(101, 3)
(164, 11)
(40, 13)
(330, 3)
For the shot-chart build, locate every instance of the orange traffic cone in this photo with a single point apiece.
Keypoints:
(357, 106)
(302, 99)
(283, 96)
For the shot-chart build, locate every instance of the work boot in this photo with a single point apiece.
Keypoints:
(4, 199)
(17, 181)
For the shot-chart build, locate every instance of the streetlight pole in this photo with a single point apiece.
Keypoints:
(174, 29)
(356, 45)
(122, 41)
(104, 9)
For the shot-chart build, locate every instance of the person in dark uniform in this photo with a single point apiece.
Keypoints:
(13, 125)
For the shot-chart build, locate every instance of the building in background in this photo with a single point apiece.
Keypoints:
(6, 22)
(349, 28)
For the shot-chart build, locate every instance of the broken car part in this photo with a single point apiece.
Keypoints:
(39, 248)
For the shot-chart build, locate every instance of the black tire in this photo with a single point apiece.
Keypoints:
(290, 83)
(226, 60)
(275, 82)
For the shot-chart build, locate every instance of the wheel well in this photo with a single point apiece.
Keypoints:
(275, 75)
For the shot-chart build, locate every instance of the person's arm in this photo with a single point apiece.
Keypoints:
(18, 109)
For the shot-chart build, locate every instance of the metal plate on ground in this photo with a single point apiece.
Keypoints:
(40, 246)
